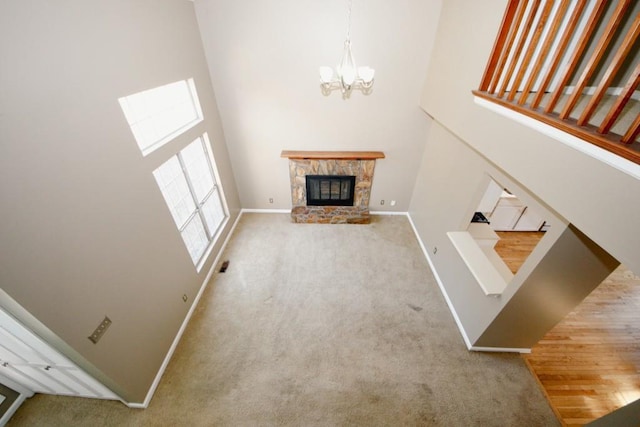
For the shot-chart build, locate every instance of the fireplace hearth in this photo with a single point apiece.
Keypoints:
(339, 201)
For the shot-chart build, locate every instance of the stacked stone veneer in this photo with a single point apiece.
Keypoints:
(356, 214)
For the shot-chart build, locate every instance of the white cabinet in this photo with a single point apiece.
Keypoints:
(529, 221)
(29, 361)
(511, 214)
(506, 213)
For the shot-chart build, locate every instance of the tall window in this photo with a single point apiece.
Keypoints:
(188, 185)
(187, 179)
(158, 115)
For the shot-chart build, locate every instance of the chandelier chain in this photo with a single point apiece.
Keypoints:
(350, 3)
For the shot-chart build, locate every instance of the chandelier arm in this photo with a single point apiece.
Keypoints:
(366, 85)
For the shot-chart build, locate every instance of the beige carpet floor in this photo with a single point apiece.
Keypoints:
(321, 325)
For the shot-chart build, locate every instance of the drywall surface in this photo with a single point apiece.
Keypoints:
(264, 59)
(450, 185)
(596, 198)
(627, 416)
(85, 231)
(568, 272)
(466, 142)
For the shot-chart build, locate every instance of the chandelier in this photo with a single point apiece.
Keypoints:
(346, 76)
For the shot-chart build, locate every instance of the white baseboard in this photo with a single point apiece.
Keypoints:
(147, 400)
(251, 210)
(185, 322)
(4, 419)
(441, 285)
(388, 213)
(452, 308)
(23, 394)
(265, 210)
(501, 349)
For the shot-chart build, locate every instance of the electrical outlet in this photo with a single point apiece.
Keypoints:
(270, 199)
(382, 202)
(100, 330)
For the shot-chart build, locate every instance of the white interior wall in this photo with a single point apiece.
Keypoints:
(595, 197)
(85, 231)
(264, 60)
(467, 141)
(72, 180)
(450, 184)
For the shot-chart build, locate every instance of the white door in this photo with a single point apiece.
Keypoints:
(31, 362)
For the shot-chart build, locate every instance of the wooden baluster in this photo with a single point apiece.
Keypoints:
(615, 65)
(544, 52)
(633, 132)
(498, 46)
(533, 44)
(596, 57)
(526, 28)
(559, 54)
(621, 101)
(577, 53)
(515, 24)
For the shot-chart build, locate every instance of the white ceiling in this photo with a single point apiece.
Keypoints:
(264, 57)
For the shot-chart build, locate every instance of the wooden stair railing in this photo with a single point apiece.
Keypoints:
(546, 63)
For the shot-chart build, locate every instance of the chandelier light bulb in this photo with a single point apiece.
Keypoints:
(326, 74)
(347, 76)
(366, 74)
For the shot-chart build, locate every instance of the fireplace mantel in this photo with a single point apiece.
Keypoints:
(357, 164)
(332, 155)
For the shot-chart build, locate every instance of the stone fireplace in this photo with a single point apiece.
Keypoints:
(335, 168)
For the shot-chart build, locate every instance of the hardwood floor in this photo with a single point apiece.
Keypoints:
(515, 246)
(589, 364)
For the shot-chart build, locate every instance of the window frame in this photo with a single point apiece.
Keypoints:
(195, 101)
(198, 210)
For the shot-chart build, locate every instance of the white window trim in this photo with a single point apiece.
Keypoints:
(186, 127)
(200, 118)
(223, 201)
(212, 235)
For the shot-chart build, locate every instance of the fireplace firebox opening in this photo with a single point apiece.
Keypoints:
(330, 190)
